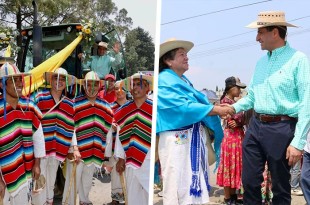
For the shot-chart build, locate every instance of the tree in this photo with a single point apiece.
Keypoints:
(139, 49)
(138, 45)
(19, 13)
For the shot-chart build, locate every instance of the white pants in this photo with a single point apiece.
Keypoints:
(137, 183)
(174, 156)
(49, 166)
(84, 178)
(116, 186)
(20, 199)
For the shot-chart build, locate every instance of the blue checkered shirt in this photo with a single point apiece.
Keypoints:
(281, 86)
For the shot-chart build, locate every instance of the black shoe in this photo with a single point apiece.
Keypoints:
(227, 201)
(233, 199)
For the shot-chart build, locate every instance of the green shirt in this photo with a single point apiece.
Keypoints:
(103, 64)
(281, 86)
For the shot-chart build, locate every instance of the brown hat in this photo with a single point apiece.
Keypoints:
(270, 18)
(234, 81)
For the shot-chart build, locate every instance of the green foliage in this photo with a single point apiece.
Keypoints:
(139, 51)
(104, 15)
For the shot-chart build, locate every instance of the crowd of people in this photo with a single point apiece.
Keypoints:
(97, 128)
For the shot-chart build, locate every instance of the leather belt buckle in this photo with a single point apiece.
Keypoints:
(268, 118)
(272, 118)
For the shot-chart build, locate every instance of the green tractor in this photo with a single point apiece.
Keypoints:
(55, 38)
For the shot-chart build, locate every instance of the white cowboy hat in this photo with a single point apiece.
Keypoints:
(103, 44)
(61, 72)
(270, 18)
(10, 70)
(171, 44)
(127, 82)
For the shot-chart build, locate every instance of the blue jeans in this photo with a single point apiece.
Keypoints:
(305, 176)
(295, 175)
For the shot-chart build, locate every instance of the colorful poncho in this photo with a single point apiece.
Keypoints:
(135, 130)
(92, 122)
(58, 125)
(16, 143)
(114, 106)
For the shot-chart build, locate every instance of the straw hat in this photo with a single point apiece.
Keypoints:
(171, 44)
(4, 60)
(103, 44)
(270, 18)
(10, 70)
(92, 76)
(127, 81)
(61, 72)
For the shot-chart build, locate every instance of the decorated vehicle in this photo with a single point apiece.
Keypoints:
(64, 38)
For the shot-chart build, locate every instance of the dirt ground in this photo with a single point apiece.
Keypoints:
(101, 192)
(217, 194)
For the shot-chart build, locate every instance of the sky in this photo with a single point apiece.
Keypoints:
(224, 47)
(142, 12)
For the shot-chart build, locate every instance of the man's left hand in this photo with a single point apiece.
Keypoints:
(77, 156)
(293, 155)
(120, 165)
(36, 170)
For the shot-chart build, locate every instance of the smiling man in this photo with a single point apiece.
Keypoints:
(132, 146)
(58, 128)
(279, 92)
(21, 138)
(102, 62)
(93, 123)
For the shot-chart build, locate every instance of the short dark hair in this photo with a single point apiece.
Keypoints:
(167, 56)
(282, 30)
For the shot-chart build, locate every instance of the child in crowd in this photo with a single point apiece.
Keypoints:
(229, 172)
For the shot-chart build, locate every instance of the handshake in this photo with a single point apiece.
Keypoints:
(225, 111)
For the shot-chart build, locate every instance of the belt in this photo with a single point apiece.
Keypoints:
(273, 118)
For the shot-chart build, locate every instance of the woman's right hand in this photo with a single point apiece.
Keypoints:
(223, 110)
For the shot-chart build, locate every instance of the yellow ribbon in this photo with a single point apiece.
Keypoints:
(51, 64)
